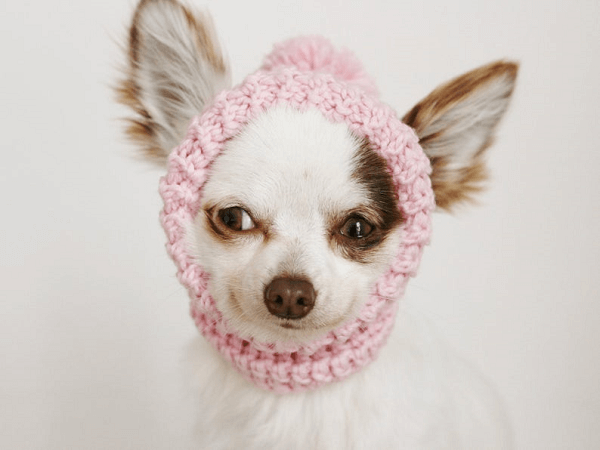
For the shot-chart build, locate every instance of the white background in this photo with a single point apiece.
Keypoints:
(92, 321)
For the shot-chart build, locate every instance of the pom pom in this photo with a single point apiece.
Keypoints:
(317, 54)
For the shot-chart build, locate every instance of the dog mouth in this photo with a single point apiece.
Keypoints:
(286, 324)
(303, 326)
(297, 330)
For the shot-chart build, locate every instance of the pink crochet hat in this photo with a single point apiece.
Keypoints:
(303, 73)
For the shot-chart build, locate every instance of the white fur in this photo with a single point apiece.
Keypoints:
(416, 395)
(169, 60)
(466, 126)
(291, 171)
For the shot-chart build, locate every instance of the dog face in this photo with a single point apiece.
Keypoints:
(298, 219)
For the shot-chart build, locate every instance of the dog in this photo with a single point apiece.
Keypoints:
(296, 209)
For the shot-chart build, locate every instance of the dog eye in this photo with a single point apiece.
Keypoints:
(356, 228)
(236, 219)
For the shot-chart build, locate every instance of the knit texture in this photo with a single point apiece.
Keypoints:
(303, 73)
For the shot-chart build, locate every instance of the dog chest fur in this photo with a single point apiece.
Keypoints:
(416, 395)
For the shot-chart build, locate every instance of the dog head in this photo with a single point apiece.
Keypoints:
(298, 219)
(299, 216)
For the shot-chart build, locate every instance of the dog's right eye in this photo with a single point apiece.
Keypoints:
(236, 219)
(356, 228)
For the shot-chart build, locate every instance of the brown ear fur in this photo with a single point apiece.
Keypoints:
(455, 124)
(160, 115)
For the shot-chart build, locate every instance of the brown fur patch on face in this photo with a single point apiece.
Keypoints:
(450, 110)
(371, 172)
(378, 218)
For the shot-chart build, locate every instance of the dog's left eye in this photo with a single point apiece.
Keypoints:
(356, 228)
(236, 219)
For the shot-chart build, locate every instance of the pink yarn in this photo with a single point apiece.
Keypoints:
(304, 73)
(316, 54)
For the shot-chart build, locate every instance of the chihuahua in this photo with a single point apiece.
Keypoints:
(296, 208)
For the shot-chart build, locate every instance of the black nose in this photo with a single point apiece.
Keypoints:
(289, 298)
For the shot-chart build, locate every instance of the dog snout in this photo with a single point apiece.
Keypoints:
(289, 298)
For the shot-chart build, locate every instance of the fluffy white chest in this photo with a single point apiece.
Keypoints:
(414, 396)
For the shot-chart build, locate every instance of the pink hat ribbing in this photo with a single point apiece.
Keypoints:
(303, 73)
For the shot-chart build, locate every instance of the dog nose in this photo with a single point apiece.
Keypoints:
(289, 298)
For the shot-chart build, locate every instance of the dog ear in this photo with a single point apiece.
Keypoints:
(175, 67)
(455, 125)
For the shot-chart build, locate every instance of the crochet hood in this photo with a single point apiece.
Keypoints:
(303, 73)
